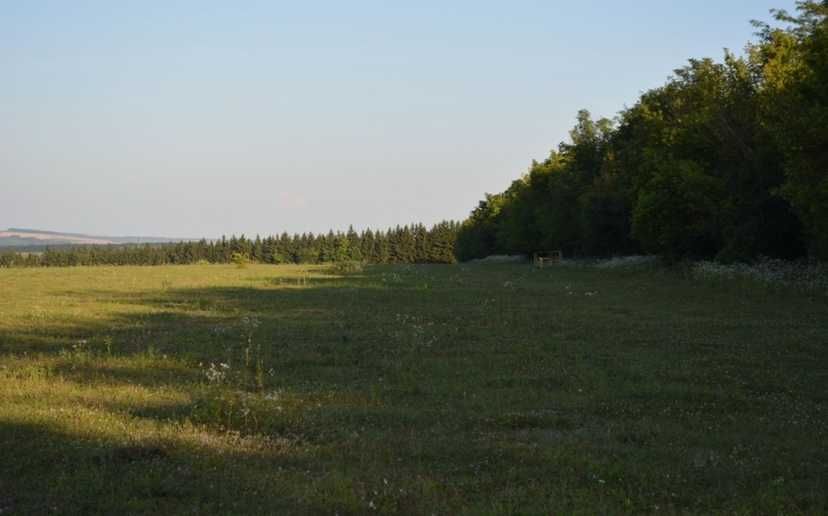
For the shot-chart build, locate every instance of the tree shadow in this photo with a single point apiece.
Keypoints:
(416, 392)
(324, 349)
(47, 470)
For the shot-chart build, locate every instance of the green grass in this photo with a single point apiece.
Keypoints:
(423, 389)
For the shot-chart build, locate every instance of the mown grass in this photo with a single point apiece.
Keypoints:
(490, 389)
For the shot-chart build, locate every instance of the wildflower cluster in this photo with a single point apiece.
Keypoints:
(801, 275)
(414, 331)
(217, 374)
(625, 262)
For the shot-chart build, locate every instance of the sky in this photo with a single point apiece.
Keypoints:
(198, 118)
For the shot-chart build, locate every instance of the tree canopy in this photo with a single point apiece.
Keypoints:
(404, 244)
(727, 159)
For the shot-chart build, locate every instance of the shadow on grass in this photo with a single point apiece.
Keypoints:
(49, 471)
(304, 365)
(419, 392)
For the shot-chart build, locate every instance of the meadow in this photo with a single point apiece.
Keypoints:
(467, 389)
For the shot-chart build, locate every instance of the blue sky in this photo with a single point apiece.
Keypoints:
(205, 118)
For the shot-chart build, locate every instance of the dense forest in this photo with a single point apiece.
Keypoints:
(408, 244)
(727, 160)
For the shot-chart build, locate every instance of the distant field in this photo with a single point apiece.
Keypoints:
(487, 389)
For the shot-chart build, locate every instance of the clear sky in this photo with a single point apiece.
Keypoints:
(202, 118)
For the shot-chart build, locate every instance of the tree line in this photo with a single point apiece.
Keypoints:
(727, 159)
(403, 244)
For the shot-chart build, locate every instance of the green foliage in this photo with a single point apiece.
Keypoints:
(794, 101)
(676, 214)
(727, 159)
(605, 220)
(477, 235)
(407, 244)
(240, 259)
(347, 267)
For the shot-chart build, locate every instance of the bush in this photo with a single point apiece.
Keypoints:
(347, 267)
(240, 259)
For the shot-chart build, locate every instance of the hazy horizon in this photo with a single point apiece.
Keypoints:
(192, 120)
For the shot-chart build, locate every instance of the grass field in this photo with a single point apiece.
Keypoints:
(489, 389)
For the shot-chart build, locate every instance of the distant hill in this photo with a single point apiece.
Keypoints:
(18, 237)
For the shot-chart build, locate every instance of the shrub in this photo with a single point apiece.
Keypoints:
(240, 259)
(347, 267)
